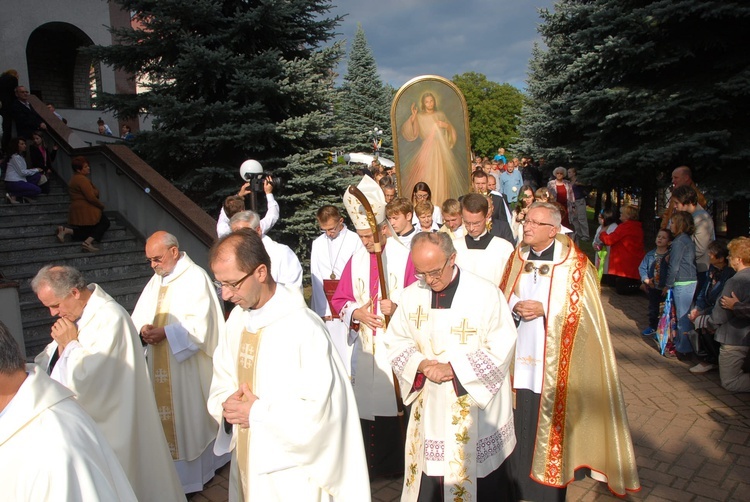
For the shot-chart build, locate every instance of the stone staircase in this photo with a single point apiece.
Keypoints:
(28, 242)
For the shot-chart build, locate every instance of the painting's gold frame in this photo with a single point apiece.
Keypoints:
(452, 103)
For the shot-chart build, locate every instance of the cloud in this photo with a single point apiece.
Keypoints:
(446, 37)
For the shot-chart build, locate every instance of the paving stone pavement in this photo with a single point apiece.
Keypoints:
(691, 437)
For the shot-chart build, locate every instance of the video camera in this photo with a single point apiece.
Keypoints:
(252, 171)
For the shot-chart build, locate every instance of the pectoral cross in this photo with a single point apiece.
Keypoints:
(463, 330)
(418, 317)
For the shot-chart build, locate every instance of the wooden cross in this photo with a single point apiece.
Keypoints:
(418, 317)
(463, 330)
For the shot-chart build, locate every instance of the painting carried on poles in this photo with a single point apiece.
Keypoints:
(430, 124)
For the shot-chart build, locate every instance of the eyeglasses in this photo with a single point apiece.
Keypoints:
(534, 224)
(421, 196)
(469, 224)
(422, 276)
(158, 260)
(232, 286)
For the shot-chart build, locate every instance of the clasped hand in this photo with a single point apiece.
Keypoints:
(529, 309)
(64, 332)
(436, 372)
(237, 407)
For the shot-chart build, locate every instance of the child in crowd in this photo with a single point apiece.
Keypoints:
(607, 223)
(399, 213)
(424, 210)
(653, 274)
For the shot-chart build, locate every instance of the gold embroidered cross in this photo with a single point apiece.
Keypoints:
(418, 317)
(463, 330)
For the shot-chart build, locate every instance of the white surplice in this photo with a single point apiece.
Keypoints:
(106, 370)
(285, 266)
(476, 335)
(488, 263)
(329, 256)
(51, 450)
(193, 326)
(305, 438)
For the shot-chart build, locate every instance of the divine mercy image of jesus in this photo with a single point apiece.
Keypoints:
(431, 142)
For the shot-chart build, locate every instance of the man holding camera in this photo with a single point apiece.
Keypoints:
(268, 221)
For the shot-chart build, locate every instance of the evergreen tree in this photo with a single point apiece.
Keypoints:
(631, 89)
(494, 111)
(363, 101)
(228, 80)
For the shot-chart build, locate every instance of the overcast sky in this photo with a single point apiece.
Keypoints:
(445, 37)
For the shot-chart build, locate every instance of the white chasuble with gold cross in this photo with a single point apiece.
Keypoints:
(460, 437)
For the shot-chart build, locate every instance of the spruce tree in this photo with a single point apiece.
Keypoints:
(228, 80)
(631, 89)
(363, 101)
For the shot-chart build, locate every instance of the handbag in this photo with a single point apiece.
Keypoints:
(666, 330)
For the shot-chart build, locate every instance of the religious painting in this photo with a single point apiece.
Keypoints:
(430, 124)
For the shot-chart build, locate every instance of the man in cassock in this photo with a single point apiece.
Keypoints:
(479, 251)
(97, 354)
(280, 393)
(330, 253)
(570, 413)
(285, 266)
(50, 449)
(360, 303)
(451, 344)
(179, 316)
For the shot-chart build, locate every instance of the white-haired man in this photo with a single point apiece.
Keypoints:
(570, 409)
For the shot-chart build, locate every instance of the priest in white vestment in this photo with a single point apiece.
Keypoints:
(97, 354)
(279, 390)
(451, 345)
(360, 303)
(565, 372)
(179, 316)
(50, 449)
(478, 251)
(329, 255)
(285, 266)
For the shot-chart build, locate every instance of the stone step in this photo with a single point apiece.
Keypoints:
(49, 239)
(95, 272)
(7, 210)
(57, 251)
(74, 257)
(41, 199)
(48, 225)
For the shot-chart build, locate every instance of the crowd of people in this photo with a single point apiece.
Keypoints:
(459, 343)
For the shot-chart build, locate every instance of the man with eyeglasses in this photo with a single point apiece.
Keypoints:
(96, 353)
(179, 317)
(451, 345)
(479, 251)
(362, 307)
(279, 391)
(570, 413)
(330, 253)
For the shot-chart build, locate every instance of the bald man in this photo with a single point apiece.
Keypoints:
(179, 316)
(681, 176)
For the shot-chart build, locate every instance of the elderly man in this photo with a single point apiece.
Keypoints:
(285, 266)
(284, 401)
(50, 449)
(361, 305)
(330, 253)
(681, 176)
(96, 353)
(27, 120)
(479, 251)
(179, 316)
(569, 406)
(451, 345)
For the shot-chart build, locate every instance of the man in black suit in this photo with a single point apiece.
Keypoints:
(26, 119)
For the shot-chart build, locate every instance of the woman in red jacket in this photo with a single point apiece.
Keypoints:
(626, 250)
